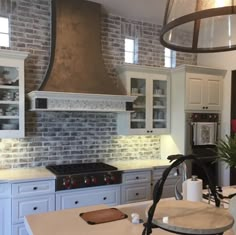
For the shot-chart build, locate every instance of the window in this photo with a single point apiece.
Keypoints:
(170, 58)
(4, 32)
(131, 54)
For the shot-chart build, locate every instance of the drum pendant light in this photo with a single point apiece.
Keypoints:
(199, 26)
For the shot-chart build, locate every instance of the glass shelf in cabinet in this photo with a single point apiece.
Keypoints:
(9, 102)
(159, 120)
(159, 107)
(8, 87)
(138, 120)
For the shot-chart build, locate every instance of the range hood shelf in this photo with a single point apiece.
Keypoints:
(65, 101)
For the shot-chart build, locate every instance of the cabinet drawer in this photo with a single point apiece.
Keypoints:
(157, 173)
(33, 188)
(5, 190)
(79, 198)
(27, 206)
(19, 229)
(136, 177)
(135, 193)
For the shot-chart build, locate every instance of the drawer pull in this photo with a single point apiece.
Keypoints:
(35, 188)
(137, 177)
(105, 198)
(76, 202)
(35, 208)
(136, 194)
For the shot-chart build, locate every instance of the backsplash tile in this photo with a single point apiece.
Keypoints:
(70, 137)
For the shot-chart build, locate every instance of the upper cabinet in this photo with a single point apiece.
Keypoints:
(12, 95)
(151, 113)
(203, 87)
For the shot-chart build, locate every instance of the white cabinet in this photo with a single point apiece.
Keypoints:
(5, 209)
(12, 97)
(136, 186)
(30, 198)
(203, 92)
(201, 88)
(76, 198)
(169, 186)
(152, 106)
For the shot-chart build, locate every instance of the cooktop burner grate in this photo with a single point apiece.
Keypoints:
(68, 169)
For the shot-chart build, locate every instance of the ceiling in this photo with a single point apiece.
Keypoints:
(144, 10)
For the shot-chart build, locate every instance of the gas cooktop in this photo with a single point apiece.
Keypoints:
(66, 169)
(73, 176)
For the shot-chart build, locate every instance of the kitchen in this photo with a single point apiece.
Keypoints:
(84, 136)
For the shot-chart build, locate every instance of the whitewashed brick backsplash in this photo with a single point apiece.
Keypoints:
(65, 137)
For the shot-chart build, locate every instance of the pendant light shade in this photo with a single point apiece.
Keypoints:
(199, 26)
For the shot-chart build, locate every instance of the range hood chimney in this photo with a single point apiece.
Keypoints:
(76, 78)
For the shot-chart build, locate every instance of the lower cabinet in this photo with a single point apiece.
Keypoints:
(169, 186)
(109, 195)
(136, 186)
(30, 198)
(5, 209)
(19, 229)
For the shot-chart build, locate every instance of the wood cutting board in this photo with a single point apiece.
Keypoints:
(103, 216)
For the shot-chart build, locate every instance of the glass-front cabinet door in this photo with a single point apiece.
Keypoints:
(159, 104)
(11, 94)
(151, 108)
(138, 116)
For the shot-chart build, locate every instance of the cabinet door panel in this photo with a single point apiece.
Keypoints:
(135, 193)
(19, 229)
(194, 93)
(27, 206)
(5, 216)
(213, 97)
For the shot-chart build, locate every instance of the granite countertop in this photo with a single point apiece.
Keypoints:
(25, 174)
(138, 165)
(41, 173)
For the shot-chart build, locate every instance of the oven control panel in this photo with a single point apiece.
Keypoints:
(88, 180)
(204, 117)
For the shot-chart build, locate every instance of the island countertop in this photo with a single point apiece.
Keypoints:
(69, 222)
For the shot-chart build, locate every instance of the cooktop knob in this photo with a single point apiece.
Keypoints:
(93, 180)
(73, 183)
(87, 180)
(107, 179)
(66, 182)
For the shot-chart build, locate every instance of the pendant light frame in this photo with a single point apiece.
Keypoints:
(195, 17)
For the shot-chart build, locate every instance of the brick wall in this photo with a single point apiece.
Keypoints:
(56, 137)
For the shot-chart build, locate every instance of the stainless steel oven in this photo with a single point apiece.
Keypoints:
(202, 136)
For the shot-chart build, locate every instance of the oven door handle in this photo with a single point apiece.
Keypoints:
(194, 125)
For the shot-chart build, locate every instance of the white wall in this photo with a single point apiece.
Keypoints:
(222, 60)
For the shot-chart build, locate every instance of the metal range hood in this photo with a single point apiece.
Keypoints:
(76, 79)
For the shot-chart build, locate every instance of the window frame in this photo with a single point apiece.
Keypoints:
(5, 33)
(134, 50)
(170, 58)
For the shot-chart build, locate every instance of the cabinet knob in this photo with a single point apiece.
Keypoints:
(147, 131)
(136, 194)
(76, 202)
(105, 198)
(137, 177)
(35, 188)
(35, 208)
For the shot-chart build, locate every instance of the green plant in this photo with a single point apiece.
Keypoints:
(226, 150)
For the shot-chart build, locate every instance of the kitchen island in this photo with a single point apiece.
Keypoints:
(69, 222)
